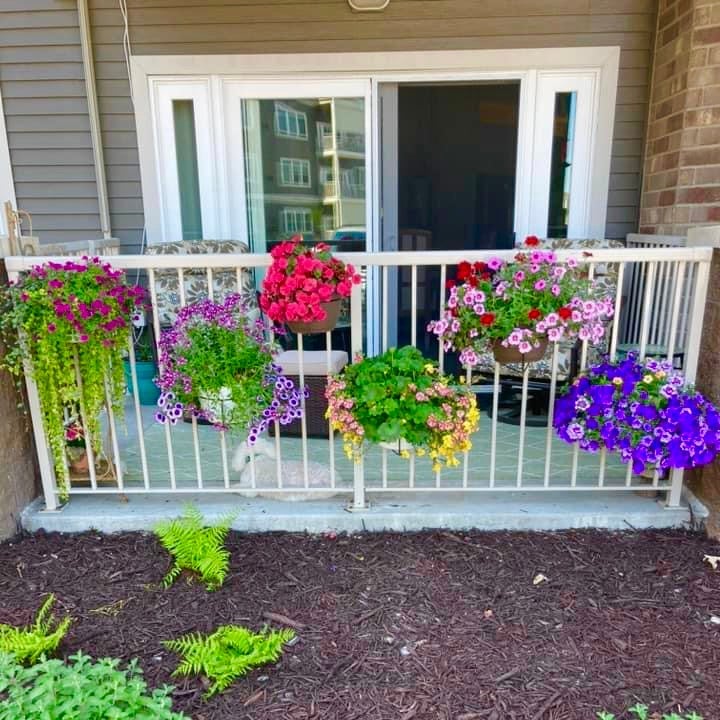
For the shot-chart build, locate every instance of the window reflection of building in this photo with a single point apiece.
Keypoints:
(305, 168)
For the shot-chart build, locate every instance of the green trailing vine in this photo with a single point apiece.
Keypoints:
(27, 644)
(195, 547)
(80, 688)
(64, 319)
(228, 653)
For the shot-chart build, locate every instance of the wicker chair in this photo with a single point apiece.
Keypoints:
(167, 285)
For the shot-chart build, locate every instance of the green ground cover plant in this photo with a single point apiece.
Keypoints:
(642, 712)
(27, 644)
(228, 653)
(195, 547)
(81, 688)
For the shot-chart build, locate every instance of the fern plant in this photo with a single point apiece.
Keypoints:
(195, 547)
(228, 653)
(29, 643)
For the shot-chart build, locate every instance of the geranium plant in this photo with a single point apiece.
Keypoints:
(642, 409)
(400, 396)
(63, 317)
(217, 364)
(301, 280)
(521, 303)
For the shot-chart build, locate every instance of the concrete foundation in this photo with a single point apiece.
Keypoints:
(401, 511)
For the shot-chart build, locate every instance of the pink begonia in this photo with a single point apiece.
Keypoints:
(539, 285)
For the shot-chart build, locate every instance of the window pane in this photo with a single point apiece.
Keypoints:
(187, 168)
(305, 175)
(315, 187)
(561, 164)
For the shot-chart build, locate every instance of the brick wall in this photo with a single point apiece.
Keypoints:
(18, 469)
(681, 186)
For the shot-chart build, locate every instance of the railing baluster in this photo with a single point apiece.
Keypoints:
(441, 309)
(494, 424)
(647, 307)
(675, 313)
(113, 438)
(90, 451)
(303, 419)
(138, 414)
(466, 454)
(331, 432)
(156, 328)
(618, 310)
(551, 413)
(223, 450)
(413, 305)
(523, 420)
(385, 308)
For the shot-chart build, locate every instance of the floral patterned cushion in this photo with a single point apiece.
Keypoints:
(225, 282)
(605, 276)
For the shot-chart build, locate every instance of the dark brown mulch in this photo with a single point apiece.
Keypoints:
(435, 626)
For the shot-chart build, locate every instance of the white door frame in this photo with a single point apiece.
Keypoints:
(7, 186)
(456, 65)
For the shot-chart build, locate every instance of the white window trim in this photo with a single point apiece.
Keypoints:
(7, 186)
(377, 67)
(290, 111)
(295, 212)
(305, 171)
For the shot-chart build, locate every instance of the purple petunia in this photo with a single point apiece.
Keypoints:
(649, 415)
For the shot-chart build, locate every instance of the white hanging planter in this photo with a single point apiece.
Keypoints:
(397, 446)
(218, 404)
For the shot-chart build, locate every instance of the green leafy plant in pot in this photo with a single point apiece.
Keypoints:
(61, 321)
(217, 365)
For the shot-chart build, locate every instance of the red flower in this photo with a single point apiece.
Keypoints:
(480, 267)
(464, 271)
(532, 241)
(487, 319)
(564, 312)
(449, 284)
(534, 314)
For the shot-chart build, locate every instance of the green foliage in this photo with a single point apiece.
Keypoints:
(27, 644)
(228, 653)
(101, 690)
(401, 394)
(61, 319)
(642, 712)
(195, 547)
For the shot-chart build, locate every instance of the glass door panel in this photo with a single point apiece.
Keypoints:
(298, 163)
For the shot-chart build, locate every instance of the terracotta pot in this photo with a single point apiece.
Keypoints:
(332, 315)
(80, 465)
(505, 355)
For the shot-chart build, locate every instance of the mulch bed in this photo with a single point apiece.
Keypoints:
(435, 626)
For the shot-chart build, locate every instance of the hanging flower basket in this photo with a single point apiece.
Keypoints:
(332, 315)
(304, 287)
(506, 355)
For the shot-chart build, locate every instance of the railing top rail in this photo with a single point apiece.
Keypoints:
(380, 259)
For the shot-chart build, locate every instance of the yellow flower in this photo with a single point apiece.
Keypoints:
(648, 378)
(617, 381)
(660, 374)
(404, 454)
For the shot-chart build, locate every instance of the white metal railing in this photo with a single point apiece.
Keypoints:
(191, 458)
(662, 297)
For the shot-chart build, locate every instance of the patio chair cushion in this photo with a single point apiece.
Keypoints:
(225, 282)
(606, 281)
(314, 362)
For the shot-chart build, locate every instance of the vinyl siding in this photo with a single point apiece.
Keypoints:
(293, 26)
(43, 90)
(42, 81)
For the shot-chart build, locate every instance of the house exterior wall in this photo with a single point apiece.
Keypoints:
(42, 82)
(43, 90)
(194, 27)
(682, 165)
